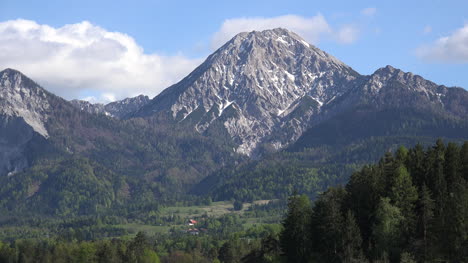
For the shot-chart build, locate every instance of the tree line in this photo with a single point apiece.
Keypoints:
(412, 206)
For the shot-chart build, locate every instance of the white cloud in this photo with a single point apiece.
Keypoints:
(453, 48)
(370, 11)
(313, 29)
(86, 61)
(80, 59)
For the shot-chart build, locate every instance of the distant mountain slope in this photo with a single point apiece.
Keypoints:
(392, 103)
(45, 142)
(118, 109)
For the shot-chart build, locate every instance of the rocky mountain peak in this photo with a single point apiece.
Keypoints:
(262, 76)
(389, 76)
(22, 97)
(266, 88)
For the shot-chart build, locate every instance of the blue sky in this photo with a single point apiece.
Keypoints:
(172, 37)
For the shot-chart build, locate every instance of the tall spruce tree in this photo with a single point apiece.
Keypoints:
(295, 242)
(404, 196)
(452, 165)
(327, 224)
(417, 165)
(464, 161)
(426, 216)
(351, 240)
(387, 231)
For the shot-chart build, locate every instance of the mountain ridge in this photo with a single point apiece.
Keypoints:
(262, 95)
(276, 86)
(117, 109)
(259, 75)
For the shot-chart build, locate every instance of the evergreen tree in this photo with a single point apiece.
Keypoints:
(464, 161)
(438, 187)
(456, 215)
(351, 240)
(327, 224)
(387, 166)
(364, 191)
(401, 155)
(404, 196)
(452, 165)
(137, 247)
(227, 252)
(417, 165)
(426, 216)
(294, 240)
(387, 229)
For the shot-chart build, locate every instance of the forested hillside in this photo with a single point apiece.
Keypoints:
(411, 206)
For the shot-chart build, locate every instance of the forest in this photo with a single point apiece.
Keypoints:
(410, 206)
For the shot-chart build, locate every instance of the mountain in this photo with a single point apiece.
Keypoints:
(117, 109)
(256, 85)
(260, 93)
(58, 159)
(391, 103)
(266, 89)
(387, 109)
(24, 108)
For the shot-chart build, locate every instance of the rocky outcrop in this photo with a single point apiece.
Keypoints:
(117, 109)
(24, 108)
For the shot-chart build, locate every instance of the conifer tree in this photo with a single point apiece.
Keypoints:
(351, 240)
(295, 242)
(464, 161)
(452, 165)
(417, 165)
(327, 224)
(426, 216)
(404, 196)
(386, 229)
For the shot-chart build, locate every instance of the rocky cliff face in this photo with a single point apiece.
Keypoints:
(117, 109)
(24, 108)
(256, 85)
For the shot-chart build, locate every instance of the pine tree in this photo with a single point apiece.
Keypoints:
(227, 253)
(464, 161)
(364, 190)
(452, 165)
(386, 230)
(404, 196)
(387, 165)
(294, 240)
(401, 155)
(426, 216)
(351, 240)
(417, 165)
(327, 224)
(438, 187)
(455, 236)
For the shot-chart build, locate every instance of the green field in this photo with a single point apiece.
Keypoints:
(216, 209)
